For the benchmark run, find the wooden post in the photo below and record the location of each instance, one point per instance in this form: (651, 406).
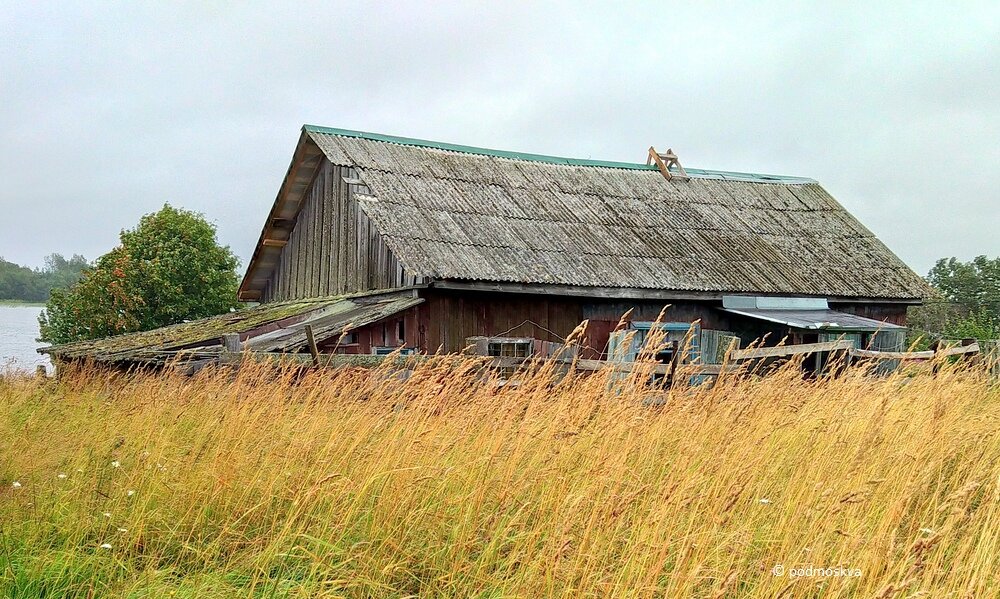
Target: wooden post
(230, 347)
(231, 342)
(727, 357)
(313, 349)
(674, 359)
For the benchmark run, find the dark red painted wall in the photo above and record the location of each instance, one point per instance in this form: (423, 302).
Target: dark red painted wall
(447, 318)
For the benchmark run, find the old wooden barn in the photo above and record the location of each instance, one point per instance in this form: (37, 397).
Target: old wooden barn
(384, 243)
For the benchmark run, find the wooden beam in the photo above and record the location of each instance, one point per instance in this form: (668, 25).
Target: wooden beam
(313, 349)
(789, 350)
(891, 355)
(654, 156)
(961, 350)
(274, 243)
(665, 161)
(706, 369)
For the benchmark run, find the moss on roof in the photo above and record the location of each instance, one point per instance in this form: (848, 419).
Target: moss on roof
(196, 333)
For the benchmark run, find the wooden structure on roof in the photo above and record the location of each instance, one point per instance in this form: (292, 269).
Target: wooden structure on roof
(500, 244)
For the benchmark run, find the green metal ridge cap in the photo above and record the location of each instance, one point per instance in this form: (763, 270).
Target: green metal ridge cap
(423, 143)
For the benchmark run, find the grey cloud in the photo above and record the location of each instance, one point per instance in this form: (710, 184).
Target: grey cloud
(111, 110)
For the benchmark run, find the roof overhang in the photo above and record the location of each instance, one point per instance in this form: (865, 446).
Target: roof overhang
(802, 313)
(829, 321)
(639, 293)
(281, 220)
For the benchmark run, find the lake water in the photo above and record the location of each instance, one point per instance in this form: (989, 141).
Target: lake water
(18, 330)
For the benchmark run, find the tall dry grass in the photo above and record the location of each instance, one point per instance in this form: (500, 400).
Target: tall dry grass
(359, 484)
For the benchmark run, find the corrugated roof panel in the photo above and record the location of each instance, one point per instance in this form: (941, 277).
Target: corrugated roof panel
(816, 320)
(456, 212)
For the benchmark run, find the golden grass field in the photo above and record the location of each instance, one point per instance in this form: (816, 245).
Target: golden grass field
(353, 483)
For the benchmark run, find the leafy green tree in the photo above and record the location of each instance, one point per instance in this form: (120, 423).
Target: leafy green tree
(168, 269)
(967, 303)
(974, 285)
(978, 325)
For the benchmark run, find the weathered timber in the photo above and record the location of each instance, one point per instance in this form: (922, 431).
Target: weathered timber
(268, 327)
(231, 342)
(313, 349)
(333, 248)
(789, 350)
(960, 350)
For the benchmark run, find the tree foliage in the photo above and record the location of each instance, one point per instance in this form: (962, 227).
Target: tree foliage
(168, 269)
(968, 300)
(34, 284)
(974, 285)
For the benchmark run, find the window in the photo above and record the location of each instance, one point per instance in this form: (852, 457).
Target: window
(385, 351)
(509, 349)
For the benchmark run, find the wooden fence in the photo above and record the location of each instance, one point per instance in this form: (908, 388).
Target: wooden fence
(735, 361)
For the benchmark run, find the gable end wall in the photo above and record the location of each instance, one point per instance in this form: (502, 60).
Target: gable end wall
(333, 248)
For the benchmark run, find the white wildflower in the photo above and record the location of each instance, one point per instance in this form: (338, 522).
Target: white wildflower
(60, 476)
(122, 530)
(765, 500)
(927, 531)
(16, 485)
(115, 464)
(106, 546)
(107, 514)
(130, 493)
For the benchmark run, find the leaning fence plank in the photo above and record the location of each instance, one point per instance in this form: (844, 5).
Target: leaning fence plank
(789, 350)
(892, 355)
(963, 349)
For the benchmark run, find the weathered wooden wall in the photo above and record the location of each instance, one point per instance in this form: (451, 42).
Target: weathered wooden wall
(333, 248)
(446, 319)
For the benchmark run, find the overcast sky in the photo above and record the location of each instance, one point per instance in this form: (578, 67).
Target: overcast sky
(108, 111)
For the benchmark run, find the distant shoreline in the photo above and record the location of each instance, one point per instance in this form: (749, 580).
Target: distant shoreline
(14, 303)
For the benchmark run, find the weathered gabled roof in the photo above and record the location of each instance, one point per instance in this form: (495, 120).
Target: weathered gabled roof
(470, 214)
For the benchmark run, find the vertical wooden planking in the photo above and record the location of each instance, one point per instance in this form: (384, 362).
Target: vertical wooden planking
(333, 247)
(279, 273)
(315, 203)
(335, 216)
(284, 272)
(305, 232)
(325, 241)
(342, 198)
(296, 262)
(303, 226)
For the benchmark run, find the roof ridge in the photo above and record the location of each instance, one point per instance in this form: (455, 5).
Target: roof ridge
(530, 157)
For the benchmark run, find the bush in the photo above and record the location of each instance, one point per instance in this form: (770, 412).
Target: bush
(168, 269)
